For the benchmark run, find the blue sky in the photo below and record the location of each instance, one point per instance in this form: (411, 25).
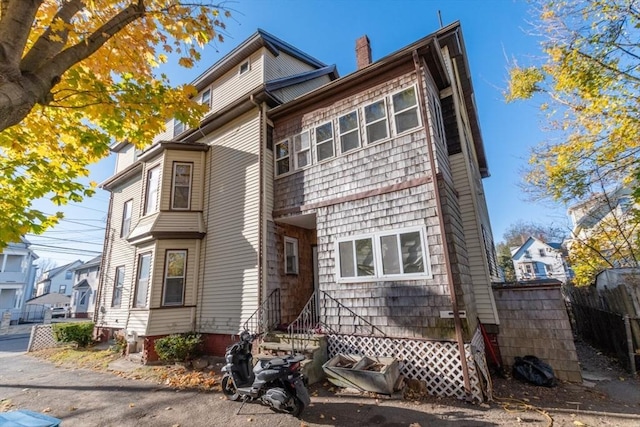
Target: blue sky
(495, 31)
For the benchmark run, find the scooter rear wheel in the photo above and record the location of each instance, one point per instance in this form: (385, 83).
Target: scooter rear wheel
(229, 388)
(295, 408)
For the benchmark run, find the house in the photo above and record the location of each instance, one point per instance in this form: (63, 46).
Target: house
(356, 202)
(58, 280)
(537, 260)
(85, 288)
(17, 276)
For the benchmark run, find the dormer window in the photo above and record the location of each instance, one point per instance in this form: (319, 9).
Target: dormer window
(244, 67)
(206, 97)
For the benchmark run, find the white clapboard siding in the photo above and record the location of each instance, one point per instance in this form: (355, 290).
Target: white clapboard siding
(166, 134)
(137, 322)
(231, 86)
(197, 178)
(475, 246)
(282, 65)
(230, 270)
(170, 321)
(184, 221)
(120, 253)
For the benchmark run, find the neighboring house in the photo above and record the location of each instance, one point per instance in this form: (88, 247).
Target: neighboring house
(85, 288)
(17, 276)
(58, 280)
(362, 194)
(51, 301)
(536, 260)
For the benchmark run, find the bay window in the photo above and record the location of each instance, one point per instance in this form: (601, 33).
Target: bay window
(174, 277)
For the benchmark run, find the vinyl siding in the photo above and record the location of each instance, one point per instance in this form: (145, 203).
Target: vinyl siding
(157, 287)
(196, 158)
(184, 221)
(124, 158)
(282, 65)
(232, 86)
(230, 270)
(119, 253)
(170, 320)
(286, 94)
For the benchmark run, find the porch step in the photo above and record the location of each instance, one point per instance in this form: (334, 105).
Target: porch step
(284, 337)
(314, 350)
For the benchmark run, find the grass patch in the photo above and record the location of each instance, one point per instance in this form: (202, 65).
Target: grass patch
(88, 358)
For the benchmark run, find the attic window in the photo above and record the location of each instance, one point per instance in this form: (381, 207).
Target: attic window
(244, 67)
(206, 97)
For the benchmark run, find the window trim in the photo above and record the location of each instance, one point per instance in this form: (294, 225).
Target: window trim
(62, 289)
(134, 302)
(165, 277)
(296, 251)
(173, 185)
(288, 157)
(295, 153)
(123, 232)
(208, 103)
(357, 130)
(176, 125)
(416, 107)
(366, 125)
(377, 256)
(120, 268)
(248, 64)
(326, 141)
(147, 211)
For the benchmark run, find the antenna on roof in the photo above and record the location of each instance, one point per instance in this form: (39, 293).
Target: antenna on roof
(440, 18)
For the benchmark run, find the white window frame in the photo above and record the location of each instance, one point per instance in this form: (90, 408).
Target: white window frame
(377, 256)
(208, 103)
(248, 64)
(317, 143)
(288, 157)
(295, 266)
(178, 127)
(118, 286)
(173, 185)
(366, 125)
(414, 107)
(127, 212)
(356, 130)
(62, 289)
(296, 152)
(149, 190)
(137, 294)
(166, 277)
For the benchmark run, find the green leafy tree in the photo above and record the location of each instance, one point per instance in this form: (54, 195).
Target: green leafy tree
(76, 75)
(589, 88)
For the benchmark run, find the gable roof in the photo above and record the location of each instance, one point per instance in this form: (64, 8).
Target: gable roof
(57, 270)
(517, 252)
(50, 298)
(93, 262)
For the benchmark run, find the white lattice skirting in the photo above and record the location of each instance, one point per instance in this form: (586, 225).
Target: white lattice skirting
(41, 337)
(435, 362)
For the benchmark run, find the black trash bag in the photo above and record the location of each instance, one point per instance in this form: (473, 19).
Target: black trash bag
(534, 371)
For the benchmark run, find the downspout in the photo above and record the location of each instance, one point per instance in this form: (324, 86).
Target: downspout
(261, 221)
(445, 246)
(201, 256)
(104, 262)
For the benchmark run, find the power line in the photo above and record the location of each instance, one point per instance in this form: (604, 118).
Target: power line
(63, 250)
(67, 240)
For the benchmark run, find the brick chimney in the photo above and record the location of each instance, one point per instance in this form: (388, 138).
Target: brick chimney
(363, 52)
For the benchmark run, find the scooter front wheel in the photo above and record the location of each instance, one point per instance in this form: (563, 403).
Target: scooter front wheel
(229, 388)
(295, 407)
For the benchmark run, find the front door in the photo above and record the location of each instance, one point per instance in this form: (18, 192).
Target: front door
(83, 300)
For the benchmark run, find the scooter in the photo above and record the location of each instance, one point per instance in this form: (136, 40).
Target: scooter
(276, 383)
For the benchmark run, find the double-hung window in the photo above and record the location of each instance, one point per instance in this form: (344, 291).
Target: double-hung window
(324, 141)
(142, 285)
(181, 189)
(126, 218)
(391, 254)
(349, 132)
(205, 99)
(178, 127)
(375, 119)
(283, 157)
(62, 289)
(153, 183)
(405, 110)
(290, 255)
(174, 277)
(302, 149)
(118, 284)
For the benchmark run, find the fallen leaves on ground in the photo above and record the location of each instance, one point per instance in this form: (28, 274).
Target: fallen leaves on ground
(182, 378)
(6, 405)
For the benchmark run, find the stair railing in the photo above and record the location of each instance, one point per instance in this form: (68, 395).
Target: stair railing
(340, 319)
(305, 326)
(267, 317)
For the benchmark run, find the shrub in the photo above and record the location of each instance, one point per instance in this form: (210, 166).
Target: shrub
(79, 333)
(179, 347)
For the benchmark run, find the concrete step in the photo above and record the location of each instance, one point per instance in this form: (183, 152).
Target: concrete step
(283, 337)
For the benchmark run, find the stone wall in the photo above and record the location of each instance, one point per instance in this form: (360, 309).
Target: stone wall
(534, 321)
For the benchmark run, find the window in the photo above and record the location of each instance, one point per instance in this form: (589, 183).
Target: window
(142, 285)
(178, 127)
(542, 252)
(290, 255)
(282, 157)
(388, 254)
(324, 141)
(244, 67)
(175, 266)
(436, 116)
(118, 284)
(126, 218)
(13, 263)
(83, 298)
(68, 275)
(153, 181)
(205, 99)
(302, 149)
(62, 289)
(349, 132)
(405, 110)
(181, 189)
(375, 118)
